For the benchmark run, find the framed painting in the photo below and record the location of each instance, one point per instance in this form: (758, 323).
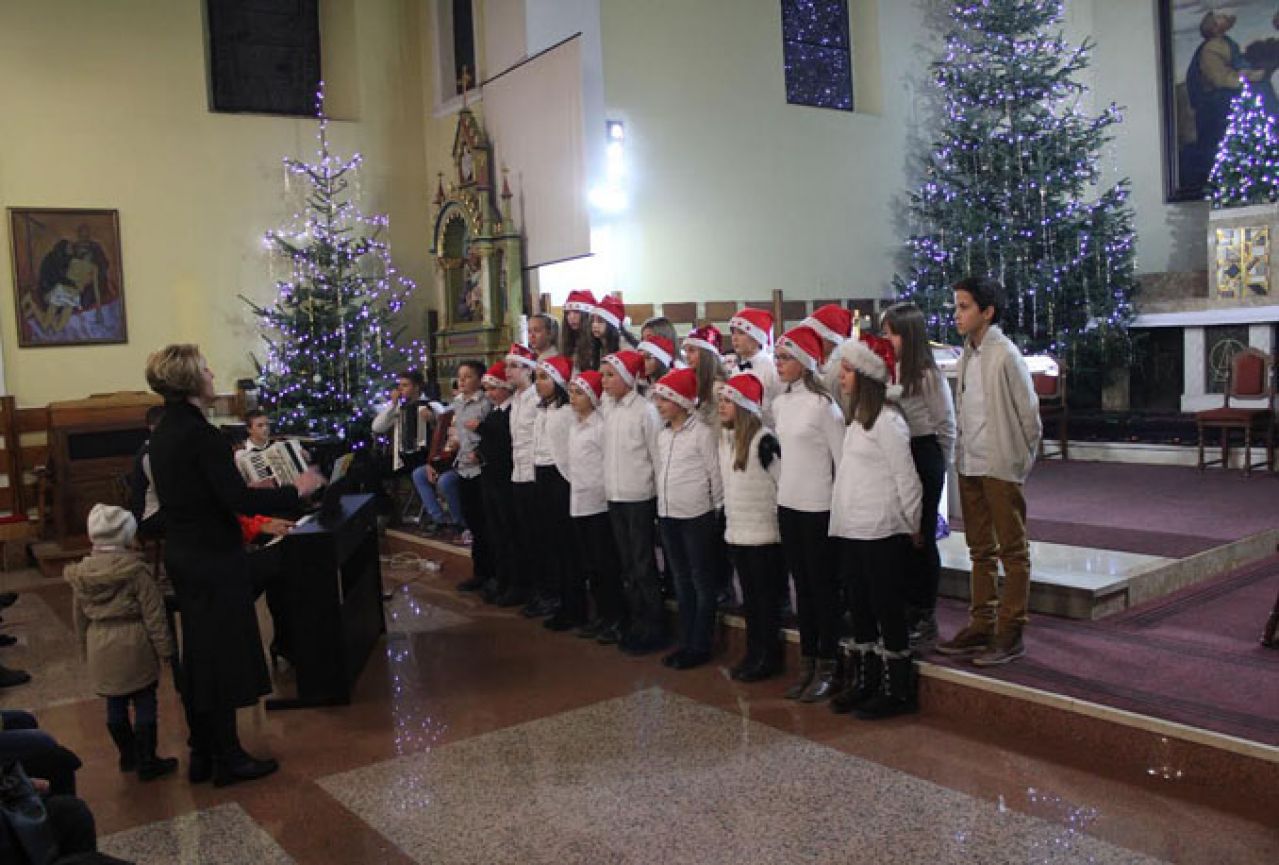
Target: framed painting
(68, 281)
(1205, 48)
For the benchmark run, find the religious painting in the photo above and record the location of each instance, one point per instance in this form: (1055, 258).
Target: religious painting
(1243, 262)
(1206, 47)
(67, 276)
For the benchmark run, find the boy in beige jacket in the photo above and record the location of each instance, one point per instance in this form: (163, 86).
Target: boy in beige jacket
(119, 616)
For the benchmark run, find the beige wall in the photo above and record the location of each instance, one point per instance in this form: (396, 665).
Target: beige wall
(104, 105)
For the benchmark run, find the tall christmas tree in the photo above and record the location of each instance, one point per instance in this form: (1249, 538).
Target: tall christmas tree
(1012, 188)
(1246, 169)
(331, 332)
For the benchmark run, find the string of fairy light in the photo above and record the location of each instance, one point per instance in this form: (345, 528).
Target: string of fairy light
(1013, 188)
(331, 331)
(1246, 168)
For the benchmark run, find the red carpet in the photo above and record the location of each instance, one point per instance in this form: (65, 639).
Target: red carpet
(1173, 511)
(1191, 657)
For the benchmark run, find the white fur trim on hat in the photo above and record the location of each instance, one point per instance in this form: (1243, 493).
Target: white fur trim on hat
(601, 312)
(703, 345)
(865, 361)
(522, 360)
(494, 381)
(549, 369)
(806, 360)
(111, 526)
(579, 306)
(822, 330)
(656, 351)
(668, 392)
(741, 400)
(585, 387)
(620, 368)
(749, 328)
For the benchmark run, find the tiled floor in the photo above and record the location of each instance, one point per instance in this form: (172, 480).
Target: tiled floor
(477, 736)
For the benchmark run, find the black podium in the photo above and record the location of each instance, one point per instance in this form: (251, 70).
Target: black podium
(332, 584)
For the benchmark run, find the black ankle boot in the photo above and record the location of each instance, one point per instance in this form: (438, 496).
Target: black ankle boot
(122, 734)
(862, 672)
(150, 766)
(897, 695)
(236, 765)
(807, 669)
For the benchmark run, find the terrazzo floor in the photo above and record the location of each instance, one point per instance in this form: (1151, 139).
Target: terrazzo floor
(477, 736)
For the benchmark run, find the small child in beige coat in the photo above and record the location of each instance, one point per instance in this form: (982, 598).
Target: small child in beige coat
(119, 617)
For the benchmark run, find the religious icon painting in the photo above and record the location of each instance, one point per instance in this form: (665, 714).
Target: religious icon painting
(68, 283)
(1229, 264)
(1256, 275)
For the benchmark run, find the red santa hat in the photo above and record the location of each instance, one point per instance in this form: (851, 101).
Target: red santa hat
(804, 344)
(755, 323)
(706, 338)
(872, 356)
(559, 368)
(495, 376)
(680, 387)
(832, 322)
(611, 309)
(580, 301)
(628, 364)
(591, 383)
(659, 347)
(746, 391)
(522, 354)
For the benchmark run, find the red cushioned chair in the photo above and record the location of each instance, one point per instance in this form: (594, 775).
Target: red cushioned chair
(1251, 377)
(1051, 390)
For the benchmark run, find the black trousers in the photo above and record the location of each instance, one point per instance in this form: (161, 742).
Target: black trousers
(266, 567)
(633, 528)
(471, 492)
(811, 559)
(875, 589)
(762, 572)
(555, 532)
(925, 568)
(499, 525)
(600, 566)
(529, 572)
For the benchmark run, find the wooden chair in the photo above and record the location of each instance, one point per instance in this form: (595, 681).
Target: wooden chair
(1250, 377)
(1051, 390)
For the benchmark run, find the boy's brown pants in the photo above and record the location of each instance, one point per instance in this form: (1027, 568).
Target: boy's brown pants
(995, 527)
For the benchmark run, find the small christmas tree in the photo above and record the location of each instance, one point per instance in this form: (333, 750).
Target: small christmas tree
(1246, 170)
(331, 333)
(1012, 189)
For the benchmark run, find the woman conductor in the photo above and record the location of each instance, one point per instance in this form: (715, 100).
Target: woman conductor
(196, 478)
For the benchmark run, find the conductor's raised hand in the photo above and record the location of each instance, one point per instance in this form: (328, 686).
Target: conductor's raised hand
(309, 481)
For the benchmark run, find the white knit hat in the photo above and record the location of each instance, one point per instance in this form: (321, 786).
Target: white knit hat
(111, 526)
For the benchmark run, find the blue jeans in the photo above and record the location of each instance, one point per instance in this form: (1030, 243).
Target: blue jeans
(143, 707)
(447, 484)
(690, 547)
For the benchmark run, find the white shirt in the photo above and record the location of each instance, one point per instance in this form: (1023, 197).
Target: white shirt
(877, 491)
(688, 481)
(930, 411)
(550, 436)
(387, 422)
(972, 460)
(810, 428)
(523, 415)
(631, 425)
(586, 466)
(764, 366)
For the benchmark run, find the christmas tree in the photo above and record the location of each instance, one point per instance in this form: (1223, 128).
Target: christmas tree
(331, 332)
(1012, 188)
(1246, 170)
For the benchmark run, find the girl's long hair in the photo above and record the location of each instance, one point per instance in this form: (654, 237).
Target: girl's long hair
(578, 345)
(744, 426)
(867, 403)
(816, 385)
(709, 370)
(915, 359)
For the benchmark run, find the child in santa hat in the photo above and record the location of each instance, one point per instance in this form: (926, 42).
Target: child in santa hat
(875, 520)
(588, 506)
(659, 357)
(521, 363)
(810, 427)
(751, 332)
(750, 465)
(608, 326)
(576, 342)
(494, 451)
(689, 492)
(631, 424)
(550, 462)
(702, 349)
(834, 324)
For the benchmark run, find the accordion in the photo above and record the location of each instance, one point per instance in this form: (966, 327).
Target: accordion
(282, 462)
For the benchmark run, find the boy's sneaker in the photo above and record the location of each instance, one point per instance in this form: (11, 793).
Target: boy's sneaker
(1004, 650)
(968, 641)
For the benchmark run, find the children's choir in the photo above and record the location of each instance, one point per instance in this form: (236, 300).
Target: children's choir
(821, 459)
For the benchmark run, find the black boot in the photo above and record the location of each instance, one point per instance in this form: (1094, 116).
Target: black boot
(150, 766)
(823, 684)
(231, 763)
(897, 695)
(862, 672)
(807, 668)
(122, 734)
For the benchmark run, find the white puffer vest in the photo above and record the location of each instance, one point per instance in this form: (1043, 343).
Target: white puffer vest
(750, 496)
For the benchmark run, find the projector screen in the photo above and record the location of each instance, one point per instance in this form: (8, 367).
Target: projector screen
(533, 113)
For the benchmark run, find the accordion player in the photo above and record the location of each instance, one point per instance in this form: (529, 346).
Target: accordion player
(407, 417)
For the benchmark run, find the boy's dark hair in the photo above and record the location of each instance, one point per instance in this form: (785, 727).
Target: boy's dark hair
(153, 416)
(986, 292)
(252, 415)
(476, 366)
(415, 376)
(552, 326)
